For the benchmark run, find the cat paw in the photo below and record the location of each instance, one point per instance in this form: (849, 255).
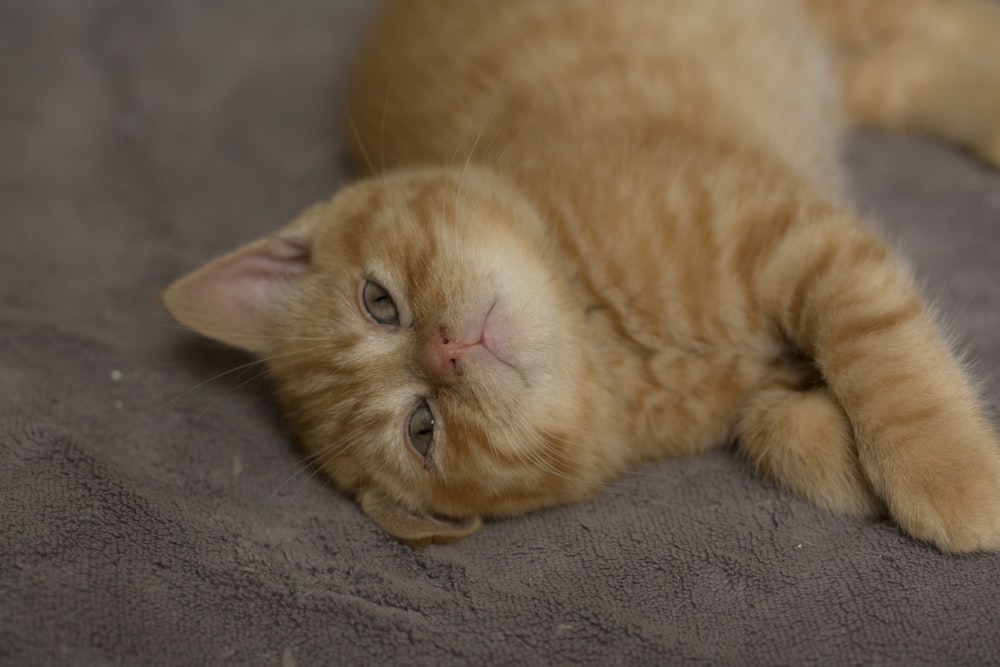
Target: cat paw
(957, 509)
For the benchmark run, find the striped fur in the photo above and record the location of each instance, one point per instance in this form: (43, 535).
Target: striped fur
(645, 199)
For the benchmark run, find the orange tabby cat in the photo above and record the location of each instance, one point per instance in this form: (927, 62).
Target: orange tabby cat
(598, 232)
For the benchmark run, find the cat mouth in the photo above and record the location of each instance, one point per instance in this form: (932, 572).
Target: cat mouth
(493, 338)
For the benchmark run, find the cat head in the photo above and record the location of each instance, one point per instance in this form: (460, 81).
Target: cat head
(423, 345)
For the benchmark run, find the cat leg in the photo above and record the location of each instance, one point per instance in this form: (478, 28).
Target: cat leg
(926, 66)
(802, 440)
(923, 441)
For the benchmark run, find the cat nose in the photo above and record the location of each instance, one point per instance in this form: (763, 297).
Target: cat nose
(442, 355)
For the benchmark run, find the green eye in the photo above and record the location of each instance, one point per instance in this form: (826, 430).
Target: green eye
(379, 304)
(420, 430)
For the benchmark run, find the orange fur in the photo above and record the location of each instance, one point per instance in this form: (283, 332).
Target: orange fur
(636, 208)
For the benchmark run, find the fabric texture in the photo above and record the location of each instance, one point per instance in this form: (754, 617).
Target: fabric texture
(153, 509)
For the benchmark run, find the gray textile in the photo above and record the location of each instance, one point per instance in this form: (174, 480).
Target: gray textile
(152, 514)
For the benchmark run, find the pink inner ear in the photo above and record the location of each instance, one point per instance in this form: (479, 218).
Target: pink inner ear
(262, 275)
(257, 280)
(235, 298)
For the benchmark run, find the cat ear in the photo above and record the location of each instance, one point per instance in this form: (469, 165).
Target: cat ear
(412, 528)
(234, 299)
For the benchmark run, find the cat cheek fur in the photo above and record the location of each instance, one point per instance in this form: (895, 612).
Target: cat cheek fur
(503, 442)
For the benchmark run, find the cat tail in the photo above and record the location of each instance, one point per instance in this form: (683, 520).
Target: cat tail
(923, 440)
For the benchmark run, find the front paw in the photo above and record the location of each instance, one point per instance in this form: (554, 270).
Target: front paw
(956, 506)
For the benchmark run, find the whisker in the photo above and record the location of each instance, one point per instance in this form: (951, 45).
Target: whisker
(311, 458)
(385, 111)
(517, 136)
(210, 380)
(479, 134)
(357, 139)
(535, 451)
(211, 404)
(241, 367)
(233, 334)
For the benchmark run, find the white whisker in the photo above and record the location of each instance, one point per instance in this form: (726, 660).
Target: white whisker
(361, 144)
(311, 460)
(211, 404)
(385, 111)
(241, 367)
(514, 139)
(211, 333)
(479, 134)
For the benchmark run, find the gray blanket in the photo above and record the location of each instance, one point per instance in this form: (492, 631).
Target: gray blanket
(154, 510)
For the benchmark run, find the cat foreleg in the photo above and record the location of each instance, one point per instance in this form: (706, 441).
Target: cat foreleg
(802, 440)
(923, 440)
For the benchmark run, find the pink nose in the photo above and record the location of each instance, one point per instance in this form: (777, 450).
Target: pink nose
(442, 355)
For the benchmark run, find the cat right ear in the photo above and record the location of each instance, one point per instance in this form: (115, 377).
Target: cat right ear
(413, 528)
(235, 299)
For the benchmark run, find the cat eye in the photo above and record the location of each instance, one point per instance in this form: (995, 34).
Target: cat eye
(379, 304)
(420, 429)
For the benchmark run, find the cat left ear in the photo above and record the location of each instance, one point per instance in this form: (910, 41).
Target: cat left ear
(235, 299)
(413, 528)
